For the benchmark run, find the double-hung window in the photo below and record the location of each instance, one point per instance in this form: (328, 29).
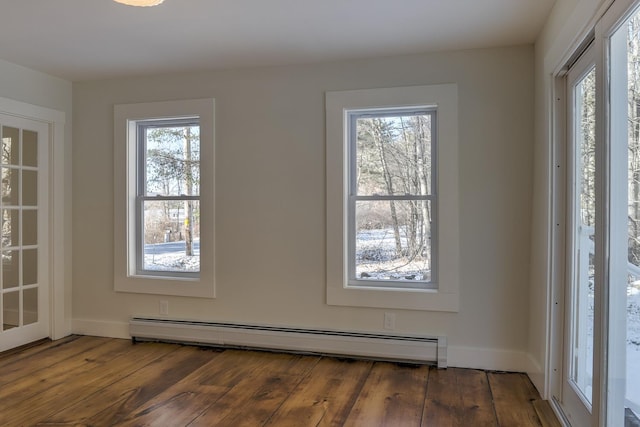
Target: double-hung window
(167, 206)
(392, 201)
(164, 198)
(392, 198)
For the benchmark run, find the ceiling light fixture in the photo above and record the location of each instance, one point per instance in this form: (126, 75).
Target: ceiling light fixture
(143, 3)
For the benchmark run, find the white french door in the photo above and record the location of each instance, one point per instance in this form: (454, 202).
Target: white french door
(600, 364)
(621, 34)
(575, 394)
(24, 230)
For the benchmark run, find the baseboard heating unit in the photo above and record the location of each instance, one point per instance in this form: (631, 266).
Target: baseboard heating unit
(392, 347)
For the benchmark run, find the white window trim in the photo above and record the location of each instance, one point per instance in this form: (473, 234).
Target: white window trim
(446, 295)
(125, 279)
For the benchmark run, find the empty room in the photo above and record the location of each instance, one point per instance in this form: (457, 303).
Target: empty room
(320, 213)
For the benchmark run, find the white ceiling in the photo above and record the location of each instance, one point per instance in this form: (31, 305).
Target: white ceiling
(94, 39)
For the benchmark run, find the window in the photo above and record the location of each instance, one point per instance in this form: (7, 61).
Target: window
(392, 198)
(168, 197)
(164, 218)
(392, 204)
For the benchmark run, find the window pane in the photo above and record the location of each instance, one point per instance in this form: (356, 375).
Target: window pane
(10, 269)
(10, 310)
(393, 155)
(172, 235)
(10, 146)
(393, 240)
(584, 232)
(30, 306)
(29, 188)
(29, 227)
(10, 185)
(10, 227)
(629, 302)
(30, 266)
(172, 161)
(29, 148)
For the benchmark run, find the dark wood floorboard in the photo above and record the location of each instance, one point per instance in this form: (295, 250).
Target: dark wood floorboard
(89, 381)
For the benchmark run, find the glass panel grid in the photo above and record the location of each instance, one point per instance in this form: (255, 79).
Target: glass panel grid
(19, 228)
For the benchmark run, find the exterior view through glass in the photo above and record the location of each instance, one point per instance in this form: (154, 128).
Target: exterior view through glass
(168, 195)
(392, 198)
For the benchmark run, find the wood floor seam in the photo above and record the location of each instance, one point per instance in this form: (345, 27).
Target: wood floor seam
(91, 381)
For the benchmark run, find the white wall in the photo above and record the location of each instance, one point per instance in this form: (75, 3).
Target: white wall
(566, 27)
(33, 87)
(271, 198)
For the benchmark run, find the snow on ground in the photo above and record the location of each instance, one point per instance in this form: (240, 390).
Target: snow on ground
(633, 347)
(171, 256)
(375, 258)
(172, 261)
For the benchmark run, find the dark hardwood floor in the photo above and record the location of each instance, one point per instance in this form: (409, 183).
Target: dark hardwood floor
(89, 381)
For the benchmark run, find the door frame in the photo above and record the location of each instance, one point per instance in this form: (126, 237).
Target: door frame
(59, 290)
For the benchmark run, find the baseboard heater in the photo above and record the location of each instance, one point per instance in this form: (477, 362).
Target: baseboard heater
(391, 347)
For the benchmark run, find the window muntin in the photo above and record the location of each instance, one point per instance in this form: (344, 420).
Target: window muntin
(391, 200)
(168, 197)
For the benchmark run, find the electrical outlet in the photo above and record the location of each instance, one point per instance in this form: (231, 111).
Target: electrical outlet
(390, 321)
(164, 308)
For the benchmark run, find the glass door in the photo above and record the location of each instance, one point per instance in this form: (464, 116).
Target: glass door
(623, 370)
(578, 342)
(24, 291)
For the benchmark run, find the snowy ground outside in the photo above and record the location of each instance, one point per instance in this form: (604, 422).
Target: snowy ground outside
(633, 348)
(171, 257)
(375, 258)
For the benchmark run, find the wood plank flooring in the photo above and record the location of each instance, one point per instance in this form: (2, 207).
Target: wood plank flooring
(89, 381)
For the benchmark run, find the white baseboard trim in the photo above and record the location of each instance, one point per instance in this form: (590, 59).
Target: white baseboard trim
(457, 356)
(537, 376)
(488, 359)
(100, 328)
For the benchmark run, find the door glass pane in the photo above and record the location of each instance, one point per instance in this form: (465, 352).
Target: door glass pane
(632, 305)
(10, 310)
(29, 148)
(30, 266)
(10, 227)
(29, 188)
(29, 227)
(10, 185)
(30, 306)
(10, 146)
(10, 269)
(581, 362)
